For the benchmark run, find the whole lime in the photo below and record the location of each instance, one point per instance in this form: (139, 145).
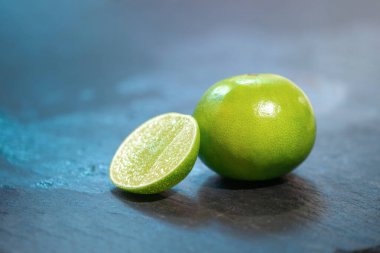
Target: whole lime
(255, 126)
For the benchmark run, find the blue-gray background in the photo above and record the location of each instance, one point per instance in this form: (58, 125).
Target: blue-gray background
(77, 76)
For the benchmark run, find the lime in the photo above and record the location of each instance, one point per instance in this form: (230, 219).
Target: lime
(157, 155)
(255, 127)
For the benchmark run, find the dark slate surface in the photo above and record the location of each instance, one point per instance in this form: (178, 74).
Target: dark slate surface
(77, 76)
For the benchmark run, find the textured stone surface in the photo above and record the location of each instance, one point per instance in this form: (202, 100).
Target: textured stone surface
(77, 76)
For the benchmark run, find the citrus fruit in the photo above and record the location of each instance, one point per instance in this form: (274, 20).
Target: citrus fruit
(157, 155)
(255, 126)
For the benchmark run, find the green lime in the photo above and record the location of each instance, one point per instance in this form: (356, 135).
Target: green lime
(157, 155)
(255, 127)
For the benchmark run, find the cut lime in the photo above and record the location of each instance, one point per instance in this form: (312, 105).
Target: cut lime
(157, 155)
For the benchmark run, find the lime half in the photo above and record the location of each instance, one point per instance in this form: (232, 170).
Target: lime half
(157, 155)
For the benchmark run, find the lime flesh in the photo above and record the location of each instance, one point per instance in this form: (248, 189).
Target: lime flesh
(157, 155)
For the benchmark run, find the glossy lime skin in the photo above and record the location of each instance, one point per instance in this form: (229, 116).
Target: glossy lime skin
(255, 127)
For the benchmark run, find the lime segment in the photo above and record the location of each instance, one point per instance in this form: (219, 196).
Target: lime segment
(157, 155)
